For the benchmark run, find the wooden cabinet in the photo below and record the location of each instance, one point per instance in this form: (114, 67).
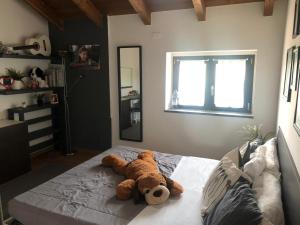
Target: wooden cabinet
(14, 150)
(47, 133)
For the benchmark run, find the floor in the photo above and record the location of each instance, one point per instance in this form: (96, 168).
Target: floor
(133, 132)
(57, 157)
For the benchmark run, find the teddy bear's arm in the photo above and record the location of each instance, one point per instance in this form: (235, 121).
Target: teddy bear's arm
(117, 163)
(125, 189)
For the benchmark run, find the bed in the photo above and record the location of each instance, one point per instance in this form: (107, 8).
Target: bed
(86, 193)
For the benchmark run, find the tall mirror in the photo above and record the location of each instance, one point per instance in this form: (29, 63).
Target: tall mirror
(130, 93)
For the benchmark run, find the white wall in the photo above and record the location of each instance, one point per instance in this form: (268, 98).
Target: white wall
(129, 59)
(234, 27)
(17, 22)
(287, 109)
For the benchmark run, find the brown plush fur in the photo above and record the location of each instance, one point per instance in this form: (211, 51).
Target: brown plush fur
(142, 172)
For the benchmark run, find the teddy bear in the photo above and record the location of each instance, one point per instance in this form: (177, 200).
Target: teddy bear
(143, 179)
(38, 75)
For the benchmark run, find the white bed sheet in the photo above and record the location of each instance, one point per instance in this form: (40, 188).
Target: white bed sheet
(192, 173)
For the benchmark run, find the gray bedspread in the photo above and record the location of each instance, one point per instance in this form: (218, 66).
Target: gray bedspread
(84, 194)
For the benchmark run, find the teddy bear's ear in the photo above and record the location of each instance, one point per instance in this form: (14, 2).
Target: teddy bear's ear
(175, 188)
(137, 195)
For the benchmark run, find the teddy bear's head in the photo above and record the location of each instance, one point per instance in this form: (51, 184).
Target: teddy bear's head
(154, 187)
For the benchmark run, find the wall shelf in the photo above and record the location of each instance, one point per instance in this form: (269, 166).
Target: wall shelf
(14, 56)
(23, 91)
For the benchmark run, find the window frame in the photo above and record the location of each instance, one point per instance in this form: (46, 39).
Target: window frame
(209, 102)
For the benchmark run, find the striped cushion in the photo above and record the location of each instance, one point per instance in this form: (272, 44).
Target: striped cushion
(222, 178)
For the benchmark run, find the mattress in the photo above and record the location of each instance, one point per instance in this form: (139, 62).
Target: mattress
(85, 195)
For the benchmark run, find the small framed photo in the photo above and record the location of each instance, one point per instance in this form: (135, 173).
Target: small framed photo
(54, 99)
(85, 57)
(296, 29)
(288, 73)
(295, 69)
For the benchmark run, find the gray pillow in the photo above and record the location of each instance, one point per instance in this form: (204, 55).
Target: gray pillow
(238, 207)
(225, 175)
(252, 146)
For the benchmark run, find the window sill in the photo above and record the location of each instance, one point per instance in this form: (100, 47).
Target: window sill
(211, 113)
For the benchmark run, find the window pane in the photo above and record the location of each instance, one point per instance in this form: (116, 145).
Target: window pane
(191, 82)
(229, 83)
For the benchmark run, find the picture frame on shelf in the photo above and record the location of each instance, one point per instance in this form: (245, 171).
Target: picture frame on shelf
(295, 69)
(288, 74)
(296, 28)
(54, 99)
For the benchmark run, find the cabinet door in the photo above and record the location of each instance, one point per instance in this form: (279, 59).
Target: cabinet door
(14, 152)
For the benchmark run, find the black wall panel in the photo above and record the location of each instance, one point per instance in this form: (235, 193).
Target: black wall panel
(89, 100)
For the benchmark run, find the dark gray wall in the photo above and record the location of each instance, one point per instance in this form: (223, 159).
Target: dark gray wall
(89, 100)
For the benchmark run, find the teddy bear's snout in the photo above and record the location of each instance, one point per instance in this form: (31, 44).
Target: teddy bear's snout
(157, 195)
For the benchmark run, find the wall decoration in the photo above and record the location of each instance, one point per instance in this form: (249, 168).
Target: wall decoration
(288, 73)
(17, 76)
(297, 115)
(6, 82)
(296, 30)
(38, 76)
(295, 71)
(54, 99)
(85, 56)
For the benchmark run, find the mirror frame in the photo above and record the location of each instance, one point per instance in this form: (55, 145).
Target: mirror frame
(141, 91)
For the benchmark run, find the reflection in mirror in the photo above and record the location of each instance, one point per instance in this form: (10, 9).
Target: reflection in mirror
(130, 93)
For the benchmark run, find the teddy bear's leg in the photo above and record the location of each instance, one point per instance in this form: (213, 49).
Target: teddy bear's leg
(148, 156)
(117, 163)
(125, 189)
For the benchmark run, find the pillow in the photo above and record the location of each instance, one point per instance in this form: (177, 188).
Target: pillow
(255, 166)
(252, 145)
(222, 178)
(271, 157)
(268, 194)
(238, 207)
(243, 148)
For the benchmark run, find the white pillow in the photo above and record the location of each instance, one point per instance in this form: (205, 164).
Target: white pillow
(268, 193)
(271, 157)
(255, 166)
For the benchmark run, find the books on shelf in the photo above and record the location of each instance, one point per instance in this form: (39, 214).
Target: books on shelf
(56, 75)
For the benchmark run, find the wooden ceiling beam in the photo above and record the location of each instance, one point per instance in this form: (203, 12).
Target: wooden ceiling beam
(268, 7)
(200, 9)
(42, 8)
(90, 10)
(142, 10)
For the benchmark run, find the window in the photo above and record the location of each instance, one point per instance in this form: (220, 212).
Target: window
(214, 83)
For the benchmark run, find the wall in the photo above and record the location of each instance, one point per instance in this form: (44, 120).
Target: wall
(129, 59)
(234, 27)
(287, 109)
(89, 98)
(18, 22)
